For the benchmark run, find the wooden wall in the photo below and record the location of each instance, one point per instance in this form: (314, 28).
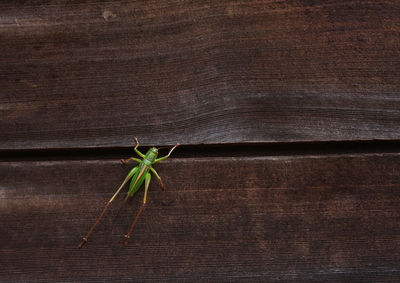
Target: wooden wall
(288, 115)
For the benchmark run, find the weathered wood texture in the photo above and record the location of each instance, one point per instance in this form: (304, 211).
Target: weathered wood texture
(302, 219)
(78, 74)
(94, 73)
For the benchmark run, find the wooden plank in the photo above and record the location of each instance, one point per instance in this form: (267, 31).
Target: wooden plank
(267, 219)
(92, 74)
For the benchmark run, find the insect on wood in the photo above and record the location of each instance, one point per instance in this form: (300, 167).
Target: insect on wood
(137, 175)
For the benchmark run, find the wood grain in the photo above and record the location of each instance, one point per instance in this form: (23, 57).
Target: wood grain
(306, 218)
(88, 73)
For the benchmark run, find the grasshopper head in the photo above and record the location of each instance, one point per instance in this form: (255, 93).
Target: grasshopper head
(152, 154)
(154, 150)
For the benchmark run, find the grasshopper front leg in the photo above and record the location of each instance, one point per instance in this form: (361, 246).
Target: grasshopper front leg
(136, 150)
(169, 153)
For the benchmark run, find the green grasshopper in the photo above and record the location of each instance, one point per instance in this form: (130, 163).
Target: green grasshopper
(138, 175)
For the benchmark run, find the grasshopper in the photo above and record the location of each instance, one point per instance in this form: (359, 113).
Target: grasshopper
(137, 175)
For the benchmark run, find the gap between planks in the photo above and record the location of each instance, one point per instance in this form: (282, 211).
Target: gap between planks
(252, 150)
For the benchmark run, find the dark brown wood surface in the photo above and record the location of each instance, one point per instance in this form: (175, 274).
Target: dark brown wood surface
(88, 73)
(288, 113)
(290, 218)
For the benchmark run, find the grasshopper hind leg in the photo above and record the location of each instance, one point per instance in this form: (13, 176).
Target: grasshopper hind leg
(147, 182)
(85, 239)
